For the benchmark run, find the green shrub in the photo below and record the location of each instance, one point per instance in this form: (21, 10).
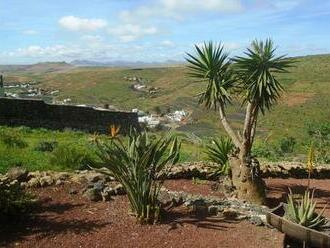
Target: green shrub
(138, 164)
(46, 146)
(25, 130)
(14, 201)
(266, 151)
(287, 144)
(218, 152)
(13, 139)
(73, 156)
(319, 135)
(319, 129)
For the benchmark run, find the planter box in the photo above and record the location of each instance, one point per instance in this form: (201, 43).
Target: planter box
(309, 236)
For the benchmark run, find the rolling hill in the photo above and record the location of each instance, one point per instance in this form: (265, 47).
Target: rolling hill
(306, 100)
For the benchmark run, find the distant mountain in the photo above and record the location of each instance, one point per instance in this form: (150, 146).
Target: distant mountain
(44, 67)
(123, 63)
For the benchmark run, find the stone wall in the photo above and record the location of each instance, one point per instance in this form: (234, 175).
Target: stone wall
(202, 170)
(36, 113)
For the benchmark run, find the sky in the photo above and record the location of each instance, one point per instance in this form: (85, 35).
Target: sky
(34, 31)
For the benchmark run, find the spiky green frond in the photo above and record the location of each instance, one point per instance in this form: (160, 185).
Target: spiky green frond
(211, 64)
(257, 72)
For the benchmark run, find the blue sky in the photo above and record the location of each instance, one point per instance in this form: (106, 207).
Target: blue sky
(155, 30)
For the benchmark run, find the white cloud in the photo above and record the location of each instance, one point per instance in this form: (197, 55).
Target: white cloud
(178, 9)
(167, 43)
(29, 32)
(131, 32)
(38, 51)
(73, 23)
(232, 46)
(92, 39)
(228, 46)
(200, 5)
(285, 4)
(102, 52)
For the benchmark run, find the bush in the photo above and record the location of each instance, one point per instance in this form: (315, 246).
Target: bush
(12, 139)
(73, 156)
(46, 146)
(287, 144)
(218, 152)
(319, 129)
(138, 165)
(14, 201)
(320, 136)
(266, 151)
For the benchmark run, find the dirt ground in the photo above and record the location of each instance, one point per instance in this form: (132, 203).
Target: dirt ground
(65, 220)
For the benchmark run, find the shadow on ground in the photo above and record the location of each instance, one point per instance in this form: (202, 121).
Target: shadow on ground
(42, 223)
(176, 219)
(277, 193)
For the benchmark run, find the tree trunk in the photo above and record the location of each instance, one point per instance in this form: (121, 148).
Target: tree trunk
(246, 178)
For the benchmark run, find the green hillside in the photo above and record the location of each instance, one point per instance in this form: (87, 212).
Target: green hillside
(305, 104)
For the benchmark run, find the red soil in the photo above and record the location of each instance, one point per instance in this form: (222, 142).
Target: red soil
(64, 220)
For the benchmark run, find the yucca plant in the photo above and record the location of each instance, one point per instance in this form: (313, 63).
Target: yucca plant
(253, 78)
(303, 212)
(138, 164)
(218, 152)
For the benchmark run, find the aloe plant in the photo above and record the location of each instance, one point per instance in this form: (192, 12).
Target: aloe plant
(303, 211)
(138, 164)
(218, 152)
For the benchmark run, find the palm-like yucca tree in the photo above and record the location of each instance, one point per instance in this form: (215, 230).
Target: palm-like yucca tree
(253, 78)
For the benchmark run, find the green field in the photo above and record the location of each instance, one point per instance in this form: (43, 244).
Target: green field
(303, 111)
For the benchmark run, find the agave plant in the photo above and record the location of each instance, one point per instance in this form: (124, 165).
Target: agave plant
(138, 164)
(303, 212)
(218, 152)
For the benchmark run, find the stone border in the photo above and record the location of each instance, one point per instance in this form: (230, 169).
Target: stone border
(202, 170)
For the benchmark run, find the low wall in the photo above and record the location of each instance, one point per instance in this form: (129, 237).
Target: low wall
(36, 113)
(202, 170)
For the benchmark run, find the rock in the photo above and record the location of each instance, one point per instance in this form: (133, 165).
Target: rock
(3, 178)
(78, 178)
(93, 177)
(93, 194)
(213, 210)
(59, 182)
(100, 185)
(230, 213)
(198, 206)
(63, 176)
(73, 191)
(17, 173)
(107, 193)
(257, 220)
(24, 184)
(33, 183)
(33, 175)
(119, 189)
(14, 183)
(46, 181)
